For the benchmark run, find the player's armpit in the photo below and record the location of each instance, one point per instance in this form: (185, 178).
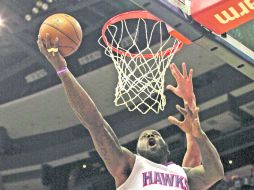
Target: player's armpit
(117, 159)
(196, 178)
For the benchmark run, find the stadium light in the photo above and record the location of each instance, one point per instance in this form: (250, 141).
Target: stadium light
(28, 17)
(45, 6)
(39, 3)
(35, 10)
(1, 21)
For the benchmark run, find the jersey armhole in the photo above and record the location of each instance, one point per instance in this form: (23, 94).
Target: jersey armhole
(131, 173)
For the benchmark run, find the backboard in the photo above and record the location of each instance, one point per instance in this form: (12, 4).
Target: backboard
(183, 5)
(235, 47)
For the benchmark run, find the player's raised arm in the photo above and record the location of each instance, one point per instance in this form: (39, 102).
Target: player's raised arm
(211, 170)
(185, 91)
(117, 159)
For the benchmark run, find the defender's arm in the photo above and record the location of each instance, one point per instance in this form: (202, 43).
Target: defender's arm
(211, 170)
(184, 90)
(204, 176)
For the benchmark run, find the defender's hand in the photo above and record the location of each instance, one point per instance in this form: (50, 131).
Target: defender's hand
(184, 87)
(191, 123)
(51, 52)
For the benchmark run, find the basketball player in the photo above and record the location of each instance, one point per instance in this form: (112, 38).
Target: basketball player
(148, 169)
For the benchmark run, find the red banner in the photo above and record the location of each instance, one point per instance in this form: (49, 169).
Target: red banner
(221, 16)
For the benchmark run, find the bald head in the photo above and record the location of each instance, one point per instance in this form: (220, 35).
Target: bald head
(152, 146)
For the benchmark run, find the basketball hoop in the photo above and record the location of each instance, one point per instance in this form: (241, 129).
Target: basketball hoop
(131, 40)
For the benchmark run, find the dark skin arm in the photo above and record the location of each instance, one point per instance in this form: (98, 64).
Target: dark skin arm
(184, 90)
(117, 159)
(203, 176)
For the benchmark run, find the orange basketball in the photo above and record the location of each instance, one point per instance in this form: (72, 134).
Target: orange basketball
(66, 28)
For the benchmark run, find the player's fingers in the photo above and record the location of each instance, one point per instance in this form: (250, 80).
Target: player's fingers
(39, 41)
(187, 108)
(40, 44)
(196, 111)
(185, 104)
(190, 74)
(172, 69)
(178, 73)
(56, 46)
(56, 43)
(184, 71)
(181, 110)
(47, 41)
(174, 121)
(171, 88)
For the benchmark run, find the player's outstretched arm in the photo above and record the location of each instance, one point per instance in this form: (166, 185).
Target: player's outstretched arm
(211, 170)
(185, 91)
(117, 159)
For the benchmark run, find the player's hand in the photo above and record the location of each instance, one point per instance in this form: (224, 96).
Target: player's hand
(51, 52)
(191, 123)
(184, 88)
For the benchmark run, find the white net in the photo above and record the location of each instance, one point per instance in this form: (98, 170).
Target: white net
(141, 51)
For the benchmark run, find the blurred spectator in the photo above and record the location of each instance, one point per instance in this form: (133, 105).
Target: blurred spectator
(222, 185)
(246, 181)
(55, 178)
(74, 178)
(46, 174)
(1, 182)
(5, 141)
(236, 183)
(247, 187)
(252, 176)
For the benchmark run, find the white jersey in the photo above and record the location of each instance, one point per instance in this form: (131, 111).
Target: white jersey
(147, 175)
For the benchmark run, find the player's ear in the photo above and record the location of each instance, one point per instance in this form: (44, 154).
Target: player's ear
(168, 151)
(137, 150)
(168, 157)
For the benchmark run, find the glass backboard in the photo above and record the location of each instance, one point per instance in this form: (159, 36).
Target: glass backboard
(235, 48)
(244, 34)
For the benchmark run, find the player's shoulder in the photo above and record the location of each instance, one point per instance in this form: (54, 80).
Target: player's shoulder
(186, 169)
(169, 164)
(176, 168)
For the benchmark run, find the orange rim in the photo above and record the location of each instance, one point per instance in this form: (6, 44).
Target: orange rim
(144, 15)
